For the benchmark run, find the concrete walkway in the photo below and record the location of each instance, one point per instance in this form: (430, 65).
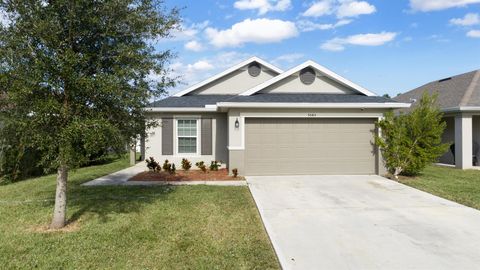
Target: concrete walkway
(364, 222)
(120, 178)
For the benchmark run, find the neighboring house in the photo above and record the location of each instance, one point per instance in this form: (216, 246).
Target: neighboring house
(459, 99)
(264, 121)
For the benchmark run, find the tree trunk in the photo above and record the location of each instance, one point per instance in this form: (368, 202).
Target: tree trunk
(398, 171)
(60, 210)
(133, 153)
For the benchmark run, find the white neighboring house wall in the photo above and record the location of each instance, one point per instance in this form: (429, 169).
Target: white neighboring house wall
(463, 141)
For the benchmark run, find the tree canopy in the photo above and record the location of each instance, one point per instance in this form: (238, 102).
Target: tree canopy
(409, 142)
(75, 75)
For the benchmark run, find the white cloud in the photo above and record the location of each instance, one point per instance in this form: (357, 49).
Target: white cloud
(307, 26)
(320, 8)
(255, 31)
(469, 19)
(432, 5)
(263, 6)
(473, 34)
(338, 44)
(194, 46)
(201, 65)
(5, 21)
(355, 8)
(341, 8)
(287, 58)
(188, 32)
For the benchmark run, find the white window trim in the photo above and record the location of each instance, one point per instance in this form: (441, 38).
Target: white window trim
(175, 133)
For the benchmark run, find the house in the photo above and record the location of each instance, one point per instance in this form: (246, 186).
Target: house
(459, 100)
(264, 121)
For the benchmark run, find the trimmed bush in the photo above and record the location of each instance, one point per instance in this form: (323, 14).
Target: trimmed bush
(214, 165)
(186, 165)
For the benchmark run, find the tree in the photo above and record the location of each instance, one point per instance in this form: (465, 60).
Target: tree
(409, 142)
(76, 76)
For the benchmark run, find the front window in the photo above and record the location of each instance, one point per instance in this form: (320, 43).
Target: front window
(187, 136)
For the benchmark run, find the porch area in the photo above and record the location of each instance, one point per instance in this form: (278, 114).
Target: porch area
(463, 133)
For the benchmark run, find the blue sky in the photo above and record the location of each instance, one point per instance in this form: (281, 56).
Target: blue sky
(386, 46)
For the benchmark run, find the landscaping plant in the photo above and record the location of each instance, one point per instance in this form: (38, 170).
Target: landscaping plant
(214, 165)
(186, 165)
(173, 170)
(167, 166)
(201, 166)
(75, 77)
(409, 142)
(153, 165)
(235, 172)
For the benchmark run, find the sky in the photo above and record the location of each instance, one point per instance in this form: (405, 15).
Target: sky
(386, 46)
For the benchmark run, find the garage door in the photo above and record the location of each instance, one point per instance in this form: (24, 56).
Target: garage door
(290, 146)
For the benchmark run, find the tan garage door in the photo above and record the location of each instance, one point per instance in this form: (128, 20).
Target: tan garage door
(290, 146)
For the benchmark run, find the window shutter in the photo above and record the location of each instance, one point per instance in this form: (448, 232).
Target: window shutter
(206, 136)
(167, 136)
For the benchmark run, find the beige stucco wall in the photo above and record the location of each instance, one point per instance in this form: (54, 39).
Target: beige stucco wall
(234, 83)
(321, 84)
(153, 143)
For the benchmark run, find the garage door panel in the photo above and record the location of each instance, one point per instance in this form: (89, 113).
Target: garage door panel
(309, 146)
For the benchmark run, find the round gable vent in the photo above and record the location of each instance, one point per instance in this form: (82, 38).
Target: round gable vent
(254, 69)
(307, 75)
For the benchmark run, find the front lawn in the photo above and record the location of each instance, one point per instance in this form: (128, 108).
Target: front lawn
(452, 184)
(188, 227)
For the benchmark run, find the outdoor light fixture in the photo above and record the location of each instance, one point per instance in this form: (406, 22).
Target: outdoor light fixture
(237, 124)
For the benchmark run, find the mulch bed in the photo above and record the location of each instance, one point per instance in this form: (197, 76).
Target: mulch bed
(192, 175)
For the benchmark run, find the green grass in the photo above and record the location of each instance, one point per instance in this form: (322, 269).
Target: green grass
(452, 184)
(188, 227)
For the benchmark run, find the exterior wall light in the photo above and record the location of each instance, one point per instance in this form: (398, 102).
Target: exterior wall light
(237, 124)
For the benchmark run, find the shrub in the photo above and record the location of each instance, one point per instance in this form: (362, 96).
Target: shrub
(186, 165)
(167, 166)
(409, 142)
(214, 165)
(173, 170)
(153, 165)
(235, 172)
(201, 166)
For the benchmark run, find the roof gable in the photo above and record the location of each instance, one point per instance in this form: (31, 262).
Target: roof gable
(235, 76)
(329, 81)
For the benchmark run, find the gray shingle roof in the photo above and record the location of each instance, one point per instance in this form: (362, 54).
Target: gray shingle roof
(202, 100)
(310, 98)
(460, 90)
(192, 101)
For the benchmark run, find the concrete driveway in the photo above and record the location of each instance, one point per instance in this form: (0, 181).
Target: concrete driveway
(364, 222)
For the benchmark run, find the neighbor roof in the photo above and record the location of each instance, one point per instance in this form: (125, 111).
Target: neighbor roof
(453, 93)
(325, 71)
(228, 71)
